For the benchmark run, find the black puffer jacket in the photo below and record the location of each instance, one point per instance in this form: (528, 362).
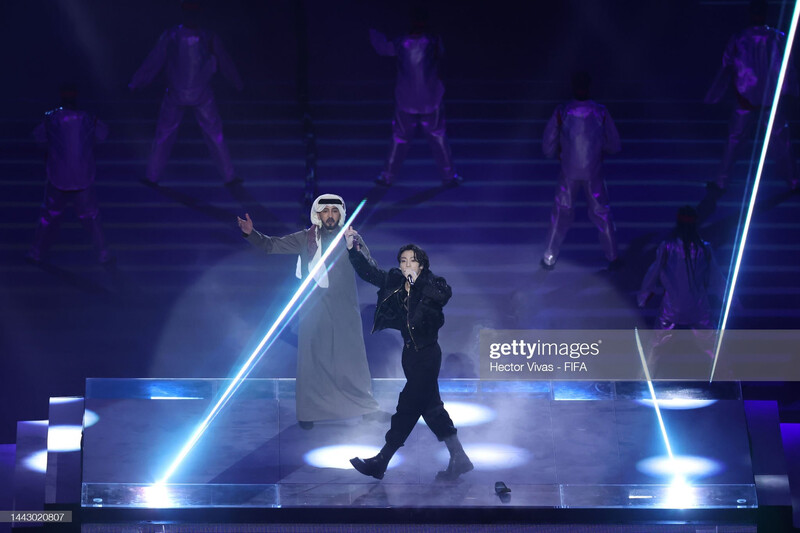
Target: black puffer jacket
(429, 294)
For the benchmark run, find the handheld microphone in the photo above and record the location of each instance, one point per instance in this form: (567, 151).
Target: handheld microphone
(410, 279)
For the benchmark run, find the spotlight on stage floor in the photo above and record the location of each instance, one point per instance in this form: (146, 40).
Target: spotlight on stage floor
(492, 456)
(157, 497)
(468, 414)
(683, 466)
(90, 418)
(681, 495)
(339, 456)
(678, 404)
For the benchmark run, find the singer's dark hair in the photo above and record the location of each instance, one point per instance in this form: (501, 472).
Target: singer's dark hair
(419, 255)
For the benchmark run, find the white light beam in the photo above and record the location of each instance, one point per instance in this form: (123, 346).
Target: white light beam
(740, 252)
(247, 367)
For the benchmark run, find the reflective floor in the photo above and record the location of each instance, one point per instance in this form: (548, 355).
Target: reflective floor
(561, 445)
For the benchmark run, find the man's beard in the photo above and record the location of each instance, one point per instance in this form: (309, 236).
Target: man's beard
(328, 231)
(329, 227)
(327, 234)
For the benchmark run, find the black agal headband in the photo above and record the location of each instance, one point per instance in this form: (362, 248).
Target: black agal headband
(334, 201)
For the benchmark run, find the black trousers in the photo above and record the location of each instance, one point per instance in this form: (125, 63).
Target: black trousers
(420, 397)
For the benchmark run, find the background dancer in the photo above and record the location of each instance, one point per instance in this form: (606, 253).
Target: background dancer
(418, 97)
(191, 55)
(580, 133)
(686, 269)
(70, 135)
(752, 60)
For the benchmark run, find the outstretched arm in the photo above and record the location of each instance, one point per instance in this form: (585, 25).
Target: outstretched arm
(366, 267)
(651, 278)
(152, 65)
(724, 75)
(719, 86)
(367, 270)
(288, 244)
(353, 239)
(381, 44)
(551, 133)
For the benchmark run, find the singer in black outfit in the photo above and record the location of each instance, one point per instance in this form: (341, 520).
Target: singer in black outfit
(411, 299)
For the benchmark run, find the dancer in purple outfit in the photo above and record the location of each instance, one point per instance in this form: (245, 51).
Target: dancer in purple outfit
(579, 134)
(418, 97)
(191, 56)
(70, 135)
(752, 61)
(686, 269)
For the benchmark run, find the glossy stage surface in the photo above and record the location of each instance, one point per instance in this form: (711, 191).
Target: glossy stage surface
(559, 445)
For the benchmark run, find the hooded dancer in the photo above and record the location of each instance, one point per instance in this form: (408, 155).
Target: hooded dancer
(333, 379)
(191, 56)
(411, 299)
(418, 97)
(685, 267)
(752, 60)
(580, 133)
(70, 135)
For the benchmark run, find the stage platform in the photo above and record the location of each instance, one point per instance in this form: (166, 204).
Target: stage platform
(559, 445)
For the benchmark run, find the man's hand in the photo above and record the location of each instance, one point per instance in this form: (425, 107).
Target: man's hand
(643, 297)
(410, 275)
(350, 235)
(245, 225)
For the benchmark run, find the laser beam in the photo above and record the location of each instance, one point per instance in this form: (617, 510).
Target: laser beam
(653, 395)
(754, 193)
(257, 353)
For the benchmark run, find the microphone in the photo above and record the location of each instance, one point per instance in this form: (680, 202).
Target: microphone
(410, 279)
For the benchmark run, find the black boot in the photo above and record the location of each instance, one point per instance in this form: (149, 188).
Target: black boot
(375, 466)
(459, 462)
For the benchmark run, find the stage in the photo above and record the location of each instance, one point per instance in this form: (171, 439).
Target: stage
(594, 449)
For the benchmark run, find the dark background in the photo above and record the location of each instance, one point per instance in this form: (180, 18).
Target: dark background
(100, 44)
